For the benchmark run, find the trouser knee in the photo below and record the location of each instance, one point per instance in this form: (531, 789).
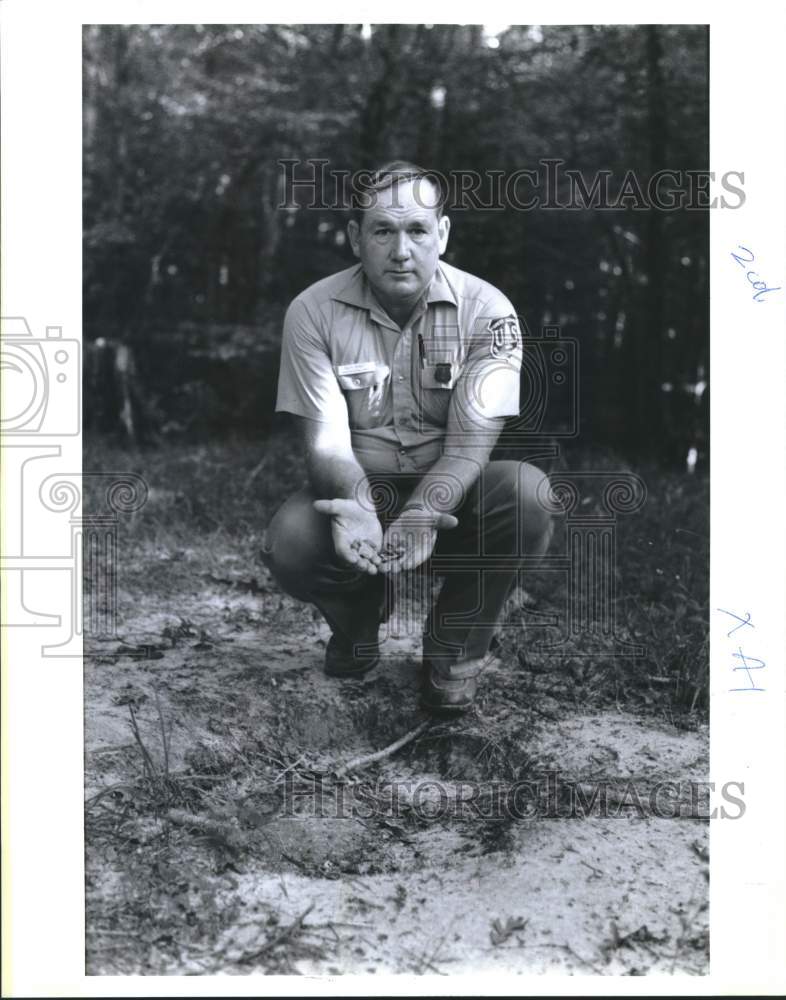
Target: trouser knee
(297, 540)
(518, 492)
(533, 498)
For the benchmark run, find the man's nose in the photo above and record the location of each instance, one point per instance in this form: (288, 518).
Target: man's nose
(401, 247)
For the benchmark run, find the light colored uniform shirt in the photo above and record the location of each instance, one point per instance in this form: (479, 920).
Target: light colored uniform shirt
(344, 359)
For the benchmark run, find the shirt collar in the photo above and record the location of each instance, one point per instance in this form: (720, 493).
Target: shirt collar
(357, 292)
(439, 290)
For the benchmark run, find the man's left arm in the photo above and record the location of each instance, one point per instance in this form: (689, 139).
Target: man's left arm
(485, 394)
(469, 443)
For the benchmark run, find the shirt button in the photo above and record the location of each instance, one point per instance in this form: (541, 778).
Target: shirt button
(402, 451)
(401, 378)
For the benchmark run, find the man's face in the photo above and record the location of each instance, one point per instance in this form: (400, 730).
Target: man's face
(400, 240)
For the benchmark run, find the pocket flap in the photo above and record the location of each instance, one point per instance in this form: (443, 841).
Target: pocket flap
(363, 379)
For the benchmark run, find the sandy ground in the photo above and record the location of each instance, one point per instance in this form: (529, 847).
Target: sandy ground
(213, 856)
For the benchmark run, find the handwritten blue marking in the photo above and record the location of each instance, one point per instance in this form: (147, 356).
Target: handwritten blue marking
(749, 663)
(748, 668)
(743, 621)
(760, 286)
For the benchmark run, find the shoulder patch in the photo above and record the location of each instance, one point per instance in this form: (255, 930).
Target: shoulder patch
(505, 338)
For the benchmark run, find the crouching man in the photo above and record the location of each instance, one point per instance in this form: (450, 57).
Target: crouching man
(400, 372)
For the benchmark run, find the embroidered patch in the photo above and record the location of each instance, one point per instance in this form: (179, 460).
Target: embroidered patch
(504, 336)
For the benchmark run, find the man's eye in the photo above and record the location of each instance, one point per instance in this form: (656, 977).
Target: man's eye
(382, 231)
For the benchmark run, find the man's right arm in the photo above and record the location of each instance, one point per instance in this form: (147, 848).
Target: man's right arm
(309, 390)
(340, 483)
(333, 470)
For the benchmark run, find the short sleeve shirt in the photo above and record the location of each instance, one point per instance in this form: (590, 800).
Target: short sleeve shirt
(344, 359)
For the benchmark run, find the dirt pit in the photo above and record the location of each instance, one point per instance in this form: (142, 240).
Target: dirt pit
(224, 837)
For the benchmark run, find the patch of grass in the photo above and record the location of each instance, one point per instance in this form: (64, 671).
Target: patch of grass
(208, 506)
(661, 604)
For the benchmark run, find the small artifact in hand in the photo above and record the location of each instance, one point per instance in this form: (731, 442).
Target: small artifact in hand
(390, 551)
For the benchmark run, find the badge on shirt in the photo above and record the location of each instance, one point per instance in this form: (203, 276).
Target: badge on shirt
(438, 370)
(504, 337)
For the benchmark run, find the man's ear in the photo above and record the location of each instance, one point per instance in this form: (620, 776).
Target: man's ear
(353, 231)
(443, 230)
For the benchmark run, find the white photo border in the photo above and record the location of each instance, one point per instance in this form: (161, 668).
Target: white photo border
(42, 836)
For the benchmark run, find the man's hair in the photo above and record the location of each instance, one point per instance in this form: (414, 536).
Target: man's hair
(369, 184)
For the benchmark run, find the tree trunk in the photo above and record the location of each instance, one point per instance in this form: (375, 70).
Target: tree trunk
(649, 372)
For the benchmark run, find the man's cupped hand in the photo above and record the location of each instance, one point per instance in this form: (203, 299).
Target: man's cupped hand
(410, 539)
(357, 533)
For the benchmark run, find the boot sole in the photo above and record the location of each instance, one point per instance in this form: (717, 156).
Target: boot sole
(433, 703)
(445, 709)
(351, 671)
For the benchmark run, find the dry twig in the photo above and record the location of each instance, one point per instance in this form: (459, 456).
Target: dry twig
(284, 935)
(218, 829)
(365, 759)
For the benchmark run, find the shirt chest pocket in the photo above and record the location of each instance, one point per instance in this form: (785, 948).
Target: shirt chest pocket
(439, 372)
(366, 388)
